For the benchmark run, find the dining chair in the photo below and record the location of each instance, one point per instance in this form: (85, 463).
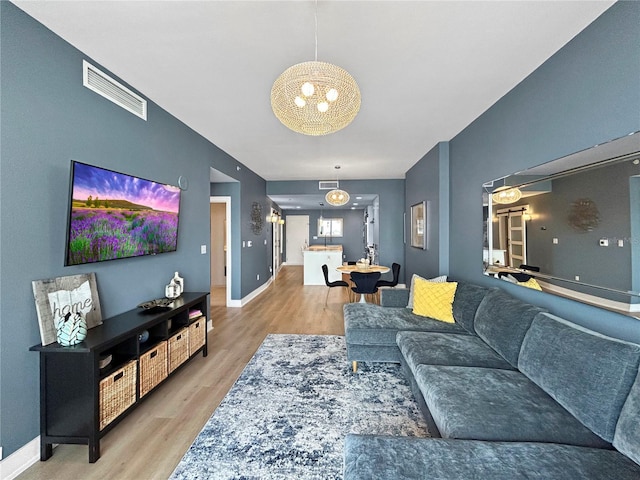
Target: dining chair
(365, 284)
(395, 268)
(337, 283)
(521, 277)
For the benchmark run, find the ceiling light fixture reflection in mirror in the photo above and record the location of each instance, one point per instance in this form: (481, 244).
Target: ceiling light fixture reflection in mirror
(572, 228)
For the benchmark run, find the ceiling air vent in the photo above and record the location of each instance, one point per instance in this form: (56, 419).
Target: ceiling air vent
(101, 83)
(327, 184)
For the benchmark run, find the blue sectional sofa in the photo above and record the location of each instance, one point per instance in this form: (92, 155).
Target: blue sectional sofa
(509, 391)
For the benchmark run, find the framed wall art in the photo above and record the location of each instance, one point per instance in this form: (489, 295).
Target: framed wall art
(419, 233)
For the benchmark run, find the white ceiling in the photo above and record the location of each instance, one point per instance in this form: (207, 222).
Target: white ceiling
(426, 69)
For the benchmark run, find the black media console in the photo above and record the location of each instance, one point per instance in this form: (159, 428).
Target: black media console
(80, 402)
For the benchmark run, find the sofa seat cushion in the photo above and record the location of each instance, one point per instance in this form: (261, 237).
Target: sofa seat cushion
(370, 324)
(405, 458)
(589, 374)
(433, 348)
(500, 405)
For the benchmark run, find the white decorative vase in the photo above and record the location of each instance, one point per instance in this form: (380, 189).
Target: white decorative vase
(179, 281)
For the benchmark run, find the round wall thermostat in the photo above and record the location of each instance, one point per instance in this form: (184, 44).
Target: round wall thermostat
(183, 182)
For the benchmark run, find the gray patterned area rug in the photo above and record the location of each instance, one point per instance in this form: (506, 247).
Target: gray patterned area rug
(287, 415)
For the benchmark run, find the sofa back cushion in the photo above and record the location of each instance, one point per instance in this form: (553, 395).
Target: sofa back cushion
(627, 437)
(589, 374)
(466, 302)
(502, 322)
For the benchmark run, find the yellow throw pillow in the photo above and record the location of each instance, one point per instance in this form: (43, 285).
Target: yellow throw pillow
(434, 300)
(531, 283)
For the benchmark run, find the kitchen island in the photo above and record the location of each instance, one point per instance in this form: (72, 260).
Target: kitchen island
(317, 255)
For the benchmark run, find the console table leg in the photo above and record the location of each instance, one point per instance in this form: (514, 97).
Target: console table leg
(46, 450)
(94, 450)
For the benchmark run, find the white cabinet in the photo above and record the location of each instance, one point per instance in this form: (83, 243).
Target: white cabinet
(313, 261)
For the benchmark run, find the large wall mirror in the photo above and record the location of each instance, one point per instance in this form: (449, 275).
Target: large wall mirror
(570, 227)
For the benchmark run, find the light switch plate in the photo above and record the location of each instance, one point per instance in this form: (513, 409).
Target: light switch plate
(203, 249)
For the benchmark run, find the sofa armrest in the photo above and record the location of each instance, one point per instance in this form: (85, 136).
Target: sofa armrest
(394, 297)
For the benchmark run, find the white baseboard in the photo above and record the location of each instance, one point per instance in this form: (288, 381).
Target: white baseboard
(241, 303)
(256, 292)
(20, 460)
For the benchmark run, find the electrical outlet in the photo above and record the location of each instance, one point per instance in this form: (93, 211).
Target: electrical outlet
(249, 243)
(621, 243)
(203, 249)
(555, 241)
(258, 277)
(265, 241)
(243, 243)
(577, 277)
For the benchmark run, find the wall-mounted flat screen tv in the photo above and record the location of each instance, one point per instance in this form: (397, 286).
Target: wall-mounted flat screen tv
(114, 215)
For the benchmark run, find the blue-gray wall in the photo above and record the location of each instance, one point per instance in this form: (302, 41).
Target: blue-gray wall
(587, 93)
(428, 180)
(634, 240)
(49, 119)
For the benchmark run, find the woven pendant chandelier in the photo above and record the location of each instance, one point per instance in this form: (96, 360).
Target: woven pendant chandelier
(337, 197)
(507, 196)
(315, 98)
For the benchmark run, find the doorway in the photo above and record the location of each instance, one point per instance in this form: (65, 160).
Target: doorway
(297, 228)
(277, 245)
(220, 250)
(512, 235)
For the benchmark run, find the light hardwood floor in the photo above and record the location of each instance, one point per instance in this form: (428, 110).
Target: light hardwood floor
(150, 442)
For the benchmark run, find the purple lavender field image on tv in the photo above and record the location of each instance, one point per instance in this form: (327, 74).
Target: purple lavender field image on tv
(114, 215)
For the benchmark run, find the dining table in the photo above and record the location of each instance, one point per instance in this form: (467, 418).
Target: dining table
(346, 270)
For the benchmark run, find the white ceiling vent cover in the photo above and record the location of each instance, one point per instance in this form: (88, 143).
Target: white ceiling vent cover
(327, 184)
(101, 83)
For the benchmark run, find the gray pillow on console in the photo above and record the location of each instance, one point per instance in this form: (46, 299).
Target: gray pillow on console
(588, 373)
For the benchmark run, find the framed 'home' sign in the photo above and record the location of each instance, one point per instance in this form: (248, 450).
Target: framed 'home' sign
(56, 297)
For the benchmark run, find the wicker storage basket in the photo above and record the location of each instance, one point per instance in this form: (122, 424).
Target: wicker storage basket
(153, 368)
(117, 393)
(178, 349)
(197, 332)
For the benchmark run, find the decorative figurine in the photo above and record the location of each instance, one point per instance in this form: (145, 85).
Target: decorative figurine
(72, 329)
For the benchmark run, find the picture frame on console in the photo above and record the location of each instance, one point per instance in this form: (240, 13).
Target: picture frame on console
(419, 229)
(55, 297)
